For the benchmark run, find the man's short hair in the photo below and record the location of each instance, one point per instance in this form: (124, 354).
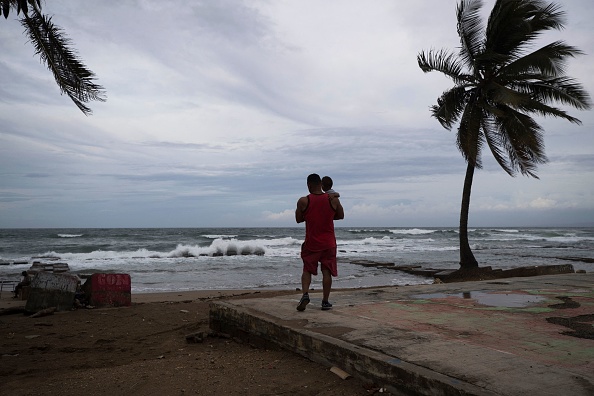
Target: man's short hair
(314, 178)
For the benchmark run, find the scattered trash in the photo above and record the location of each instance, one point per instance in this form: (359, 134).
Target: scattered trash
(196, 338)
(44, 312)
(341, 373)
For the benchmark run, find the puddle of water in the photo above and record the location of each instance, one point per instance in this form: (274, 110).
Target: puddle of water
(509, 300)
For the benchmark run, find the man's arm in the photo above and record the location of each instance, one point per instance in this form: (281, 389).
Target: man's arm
(338, 209)
(301, 207)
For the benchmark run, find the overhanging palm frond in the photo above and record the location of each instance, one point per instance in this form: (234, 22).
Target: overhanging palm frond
(20, 5)
(71, 75)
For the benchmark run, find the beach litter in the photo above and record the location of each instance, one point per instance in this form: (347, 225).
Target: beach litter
(341, 373)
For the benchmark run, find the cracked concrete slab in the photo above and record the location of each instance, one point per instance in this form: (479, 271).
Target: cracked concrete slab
(467, 338)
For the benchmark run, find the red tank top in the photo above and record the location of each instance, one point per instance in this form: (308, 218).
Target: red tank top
(319, 223)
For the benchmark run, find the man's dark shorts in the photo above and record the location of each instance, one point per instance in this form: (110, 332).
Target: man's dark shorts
(325, 257)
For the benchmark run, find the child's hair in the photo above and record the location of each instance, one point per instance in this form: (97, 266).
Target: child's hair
(326, 183)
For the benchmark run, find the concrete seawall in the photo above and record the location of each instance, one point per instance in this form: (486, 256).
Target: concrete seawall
(501, 337)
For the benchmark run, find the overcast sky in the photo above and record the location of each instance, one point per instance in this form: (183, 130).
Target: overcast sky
(218, 110)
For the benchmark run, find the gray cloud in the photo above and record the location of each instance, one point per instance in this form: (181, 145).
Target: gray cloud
(218, 110)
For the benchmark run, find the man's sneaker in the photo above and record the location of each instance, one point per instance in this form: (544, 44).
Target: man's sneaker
(303, 302)
(326, 306)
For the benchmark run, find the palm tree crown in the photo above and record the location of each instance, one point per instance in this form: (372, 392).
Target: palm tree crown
(499, 84)
(71, 75)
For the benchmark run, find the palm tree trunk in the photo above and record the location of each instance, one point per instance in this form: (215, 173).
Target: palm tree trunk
(467, 259)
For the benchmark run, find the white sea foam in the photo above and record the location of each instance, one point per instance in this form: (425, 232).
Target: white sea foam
(219, 247)
(70, 235)
(413, 231)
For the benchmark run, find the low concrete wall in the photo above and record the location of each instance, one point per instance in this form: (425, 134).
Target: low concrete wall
(487, 273)
(398, 376)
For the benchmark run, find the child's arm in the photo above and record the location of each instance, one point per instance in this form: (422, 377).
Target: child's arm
(332, 196)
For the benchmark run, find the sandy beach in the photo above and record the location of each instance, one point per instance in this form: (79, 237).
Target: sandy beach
(143, 350)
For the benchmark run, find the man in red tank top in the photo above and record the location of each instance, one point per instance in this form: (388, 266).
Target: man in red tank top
(318, 210)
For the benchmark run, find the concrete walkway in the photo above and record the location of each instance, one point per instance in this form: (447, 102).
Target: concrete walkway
(513, 336)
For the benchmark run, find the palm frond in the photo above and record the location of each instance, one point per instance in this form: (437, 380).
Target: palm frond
(495, 142)
(537, 107)
(497, 94)
(514, 24)
(449, 106)
(470, 31)
(522, 138)
(564, 90)
(489, 61)
(469, 137)
(71, 75)
(549, 60)
(444, 62)
(19, 5)
(545, 16)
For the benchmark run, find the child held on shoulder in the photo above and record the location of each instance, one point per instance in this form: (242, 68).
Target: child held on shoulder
(327, 187)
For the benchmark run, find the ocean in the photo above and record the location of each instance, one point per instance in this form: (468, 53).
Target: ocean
(182, 259)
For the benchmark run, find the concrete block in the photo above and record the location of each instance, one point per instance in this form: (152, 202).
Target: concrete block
(109, 290)
(24, 293)
(51, 290)
(555, 269)
(538, 270)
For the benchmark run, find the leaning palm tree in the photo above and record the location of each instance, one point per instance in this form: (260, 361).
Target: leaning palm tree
(498, 84)
(71, 75)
